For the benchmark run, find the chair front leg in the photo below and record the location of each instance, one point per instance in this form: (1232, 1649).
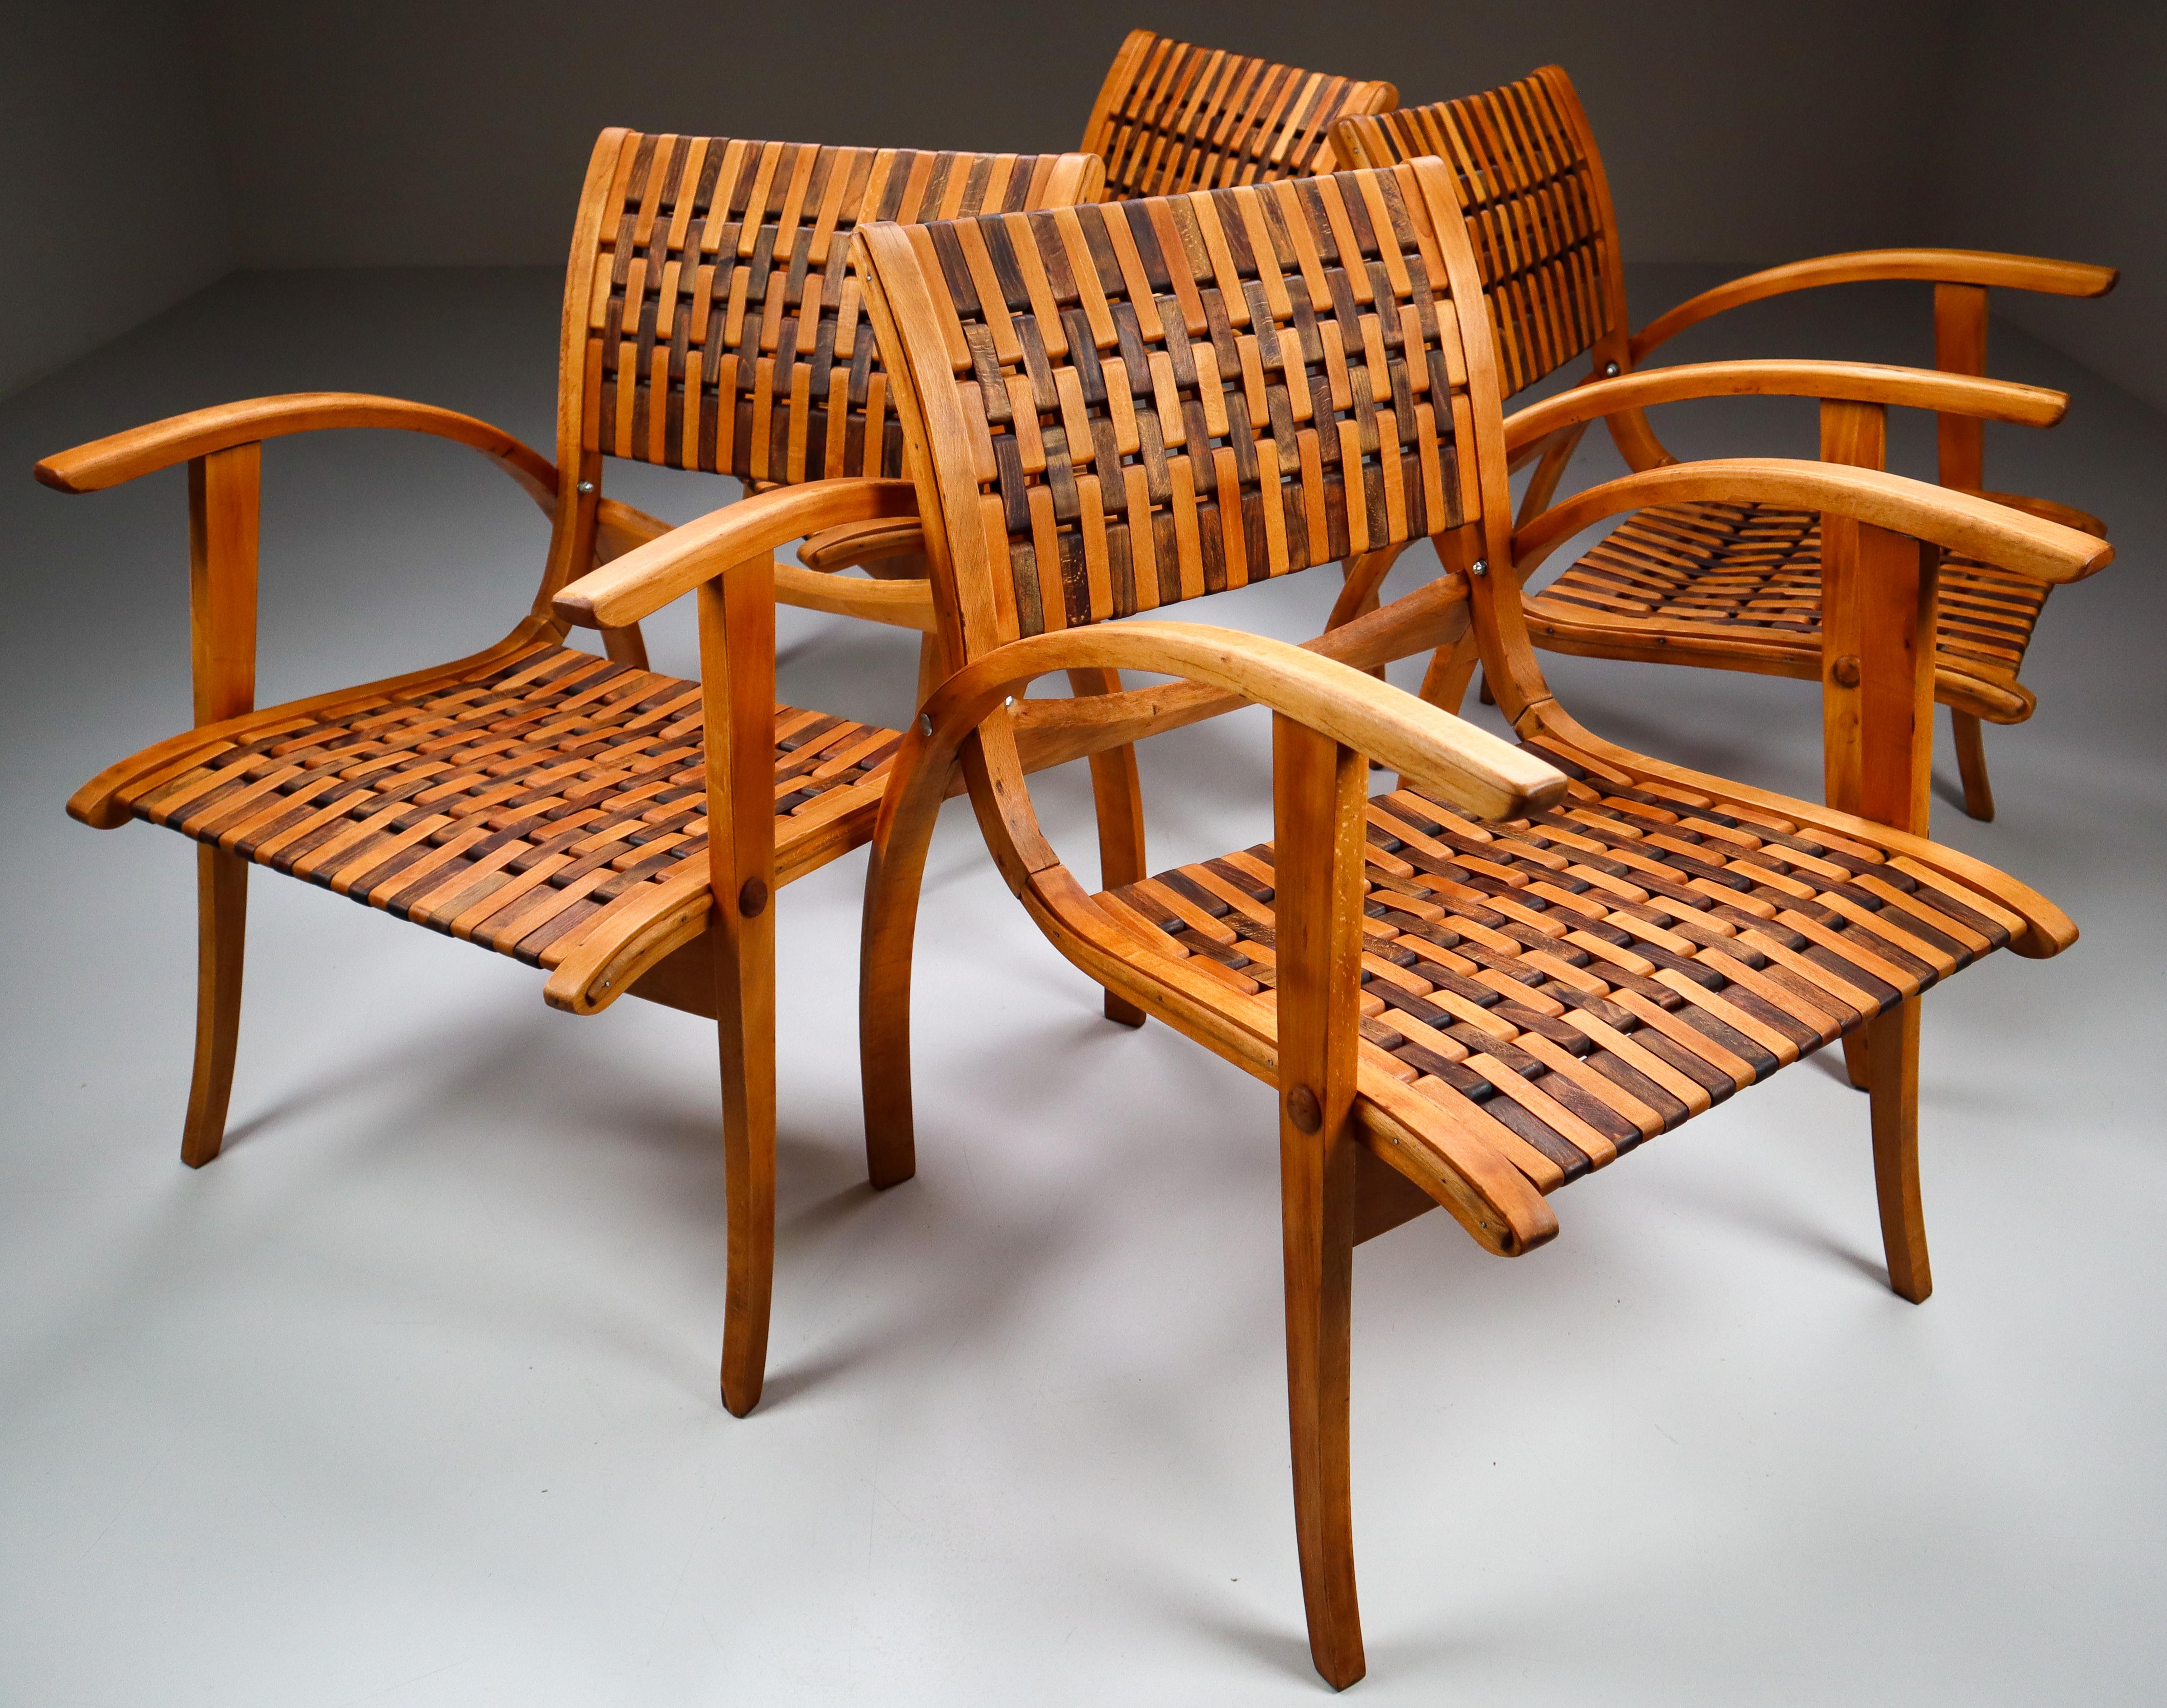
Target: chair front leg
(1879, 596)
(1320, 792)
(1893, 1054)
(737, 669)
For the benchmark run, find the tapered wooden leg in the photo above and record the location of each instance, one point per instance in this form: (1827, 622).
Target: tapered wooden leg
(1320, 800)
(1317, 1192)
(1971, 765)
(1117, 793)
(745, 1021)
(1895, 1049)
(1361, 589)
(626, 646)
(1855, 1056)
(221, 924)
(1445, 683)
(737, 672)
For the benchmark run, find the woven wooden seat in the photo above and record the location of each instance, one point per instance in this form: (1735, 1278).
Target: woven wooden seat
(1528, 958)
(1587, 977)
(524, 804)
(1528, 177)
(536, 799)
(1719, 583)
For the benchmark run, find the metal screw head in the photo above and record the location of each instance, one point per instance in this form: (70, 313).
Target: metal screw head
(1302, 1109)
(587, 486)
(1610, 370)
(925, 723)
(1479, 566)
(1010, 700)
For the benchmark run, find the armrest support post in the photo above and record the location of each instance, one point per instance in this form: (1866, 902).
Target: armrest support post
(1960, 347)
(1878, 675)
(1855, 434)
(224, 514)
(1319, 798)
(737, 678)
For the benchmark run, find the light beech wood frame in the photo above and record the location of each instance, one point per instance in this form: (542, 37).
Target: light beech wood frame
(1725, 587)
(1659, 939)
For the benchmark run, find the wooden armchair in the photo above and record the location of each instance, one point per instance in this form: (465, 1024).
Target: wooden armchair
(1731, 586)
(534, 798)
(1525, 960)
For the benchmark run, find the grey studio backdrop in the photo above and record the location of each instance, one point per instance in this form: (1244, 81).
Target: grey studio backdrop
(415, 133)
(408, 1400)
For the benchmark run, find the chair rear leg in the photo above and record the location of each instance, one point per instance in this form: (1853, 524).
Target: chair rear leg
(1117, 794)
(1971, 765)
(1893, 1050)
(1856, 1058)
(221, 925)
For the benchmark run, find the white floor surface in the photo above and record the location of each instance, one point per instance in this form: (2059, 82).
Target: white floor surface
(410, 1399)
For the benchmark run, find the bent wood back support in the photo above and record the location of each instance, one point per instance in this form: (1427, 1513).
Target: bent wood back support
(1129, 405)
(1523, 165)
(1173, 117)
(711, 317)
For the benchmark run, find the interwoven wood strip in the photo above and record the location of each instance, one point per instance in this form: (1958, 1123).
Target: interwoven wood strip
(515, 808)
(1752, 569)
(1174, 396)
(1177, 117)
(1592, 976)
(724, 327)
(1524, 167)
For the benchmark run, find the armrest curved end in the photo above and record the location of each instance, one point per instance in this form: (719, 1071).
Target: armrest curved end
(649, 577)
(54, 471)
(119, 457)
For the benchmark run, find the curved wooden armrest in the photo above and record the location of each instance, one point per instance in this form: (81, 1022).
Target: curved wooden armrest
(1490, 777)
(111, 461)
(1852, 382)
(1973, 266)
(857, 545)
(1993, 533)
(649, 577)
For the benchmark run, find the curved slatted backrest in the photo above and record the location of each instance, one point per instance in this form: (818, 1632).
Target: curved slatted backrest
(713, 320)
(1126, 406)
(1525, 166)
(1172, 117)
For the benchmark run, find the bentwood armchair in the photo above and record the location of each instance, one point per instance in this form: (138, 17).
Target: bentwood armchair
(1733, 586)
(535, 799)
(1527, 960)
